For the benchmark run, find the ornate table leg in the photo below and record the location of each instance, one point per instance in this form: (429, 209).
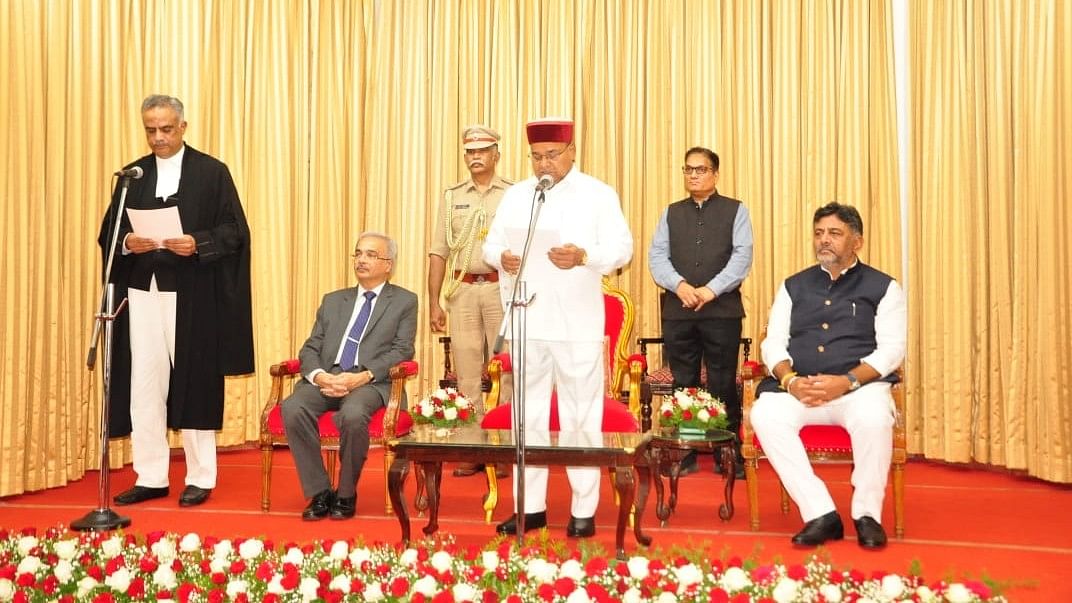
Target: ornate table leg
(662, 511)
(433, 475)
(643, 469)
(729, 474)
(396, 480)
(623, 483)
(420, 498)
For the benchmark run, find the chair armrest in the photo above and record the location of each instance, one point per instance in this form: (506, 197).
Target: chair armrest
(281, 373)
(751, 374)
(499, 364)
(399, 374)
(900, 435)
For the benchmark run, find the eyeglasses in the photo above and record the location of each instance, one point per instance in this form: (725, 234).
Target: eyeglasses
(699, 170)
(371, 256)
(550, 155)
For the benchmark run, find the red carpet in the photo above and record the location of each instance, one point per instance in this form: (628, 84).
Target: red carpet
(960, 523)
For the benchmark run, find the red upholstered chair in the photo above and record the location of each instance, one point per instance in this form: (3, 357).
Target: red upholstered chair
(824, 443)
(618, 415)
(388, 422)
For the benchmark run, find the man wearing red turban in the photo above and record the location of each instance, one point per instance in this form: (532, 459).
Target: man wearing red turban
(580, 235)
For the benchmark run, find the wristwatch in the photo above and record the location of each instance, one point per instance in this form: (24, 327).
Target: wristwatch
(854, 383)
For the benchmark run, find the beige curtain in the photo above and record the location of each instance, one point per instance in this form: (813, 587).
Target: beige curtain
(339, 117)
(990, 252)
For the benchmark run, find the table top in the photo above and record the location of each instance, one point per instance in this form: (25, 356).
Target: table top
(473, 436)
(711, 436)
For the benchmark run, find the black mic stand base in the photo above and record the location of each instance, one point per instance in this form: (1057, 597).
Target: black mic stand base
(100, 520)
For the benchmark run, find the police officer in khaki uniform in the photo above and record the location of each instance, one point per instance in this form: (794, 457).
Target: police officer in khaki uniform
(459, 277)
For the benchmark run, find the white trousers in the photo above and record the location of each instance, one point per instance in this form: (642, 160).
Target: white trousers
(867, 414)
(152, 356)
(575, 371)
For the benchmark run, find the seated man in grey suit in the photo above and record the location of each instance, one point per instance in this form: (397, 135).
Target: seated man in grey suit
(359, 334)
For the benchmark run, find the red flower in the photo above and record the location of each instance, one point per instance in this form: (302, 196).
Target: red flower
(113, 564)
(717, 595)
(49, 584)
(489, 596)
(238, 566)
(185, 590)
(443, 597)
(148, 565)
(565, 586)
(762, 573)
(856, 576)
(796, 572)
(216, 596)
(219, 578)
(981, 590)
(546, 592)
(264, 571)
(270, 598)
(153, 537)
(164, 595)
(96, 573)
(399, 587)
(104, 597)
(25, 580)
(595, 567)
(686, 414)
(290, 580)
(136, 590)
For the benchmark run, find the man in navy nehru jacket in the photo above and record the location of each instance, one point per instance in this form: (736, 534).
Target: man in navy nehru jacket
(836, 335)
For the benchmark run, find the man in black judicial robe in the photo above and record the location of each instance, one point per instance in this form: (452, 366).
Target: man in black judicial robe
(189, 320)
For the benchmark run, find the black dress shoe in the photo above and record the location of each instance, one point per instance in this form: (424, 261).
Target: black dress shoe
(139, 494)
(820, 529)
(192, 496)
(869, 533)
(319, 506)
(344, 508)
(533, 521)
(581, 527)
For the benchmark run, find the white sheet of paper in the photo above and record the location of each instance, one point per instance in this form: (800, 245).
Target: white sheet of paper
(538, 268)
(156, 224)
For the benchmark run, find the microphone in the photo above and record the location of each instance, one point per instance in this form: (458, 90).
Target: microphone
(546, 182)
(134, 172)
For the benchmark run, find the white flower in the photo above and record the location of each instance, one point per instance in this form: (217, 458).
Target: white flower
(831, 593)
(66, 549)
(165, 550)
(578, 596)
(308, 587)
(462, 402)
(892, 586)
(441, 394)
(541, 571)
(427, 410)
(632, 596)
(440, 561)
(666, 597)
(359, 556)
(683, 400)
(7, 589)
(236, 586)
(926, 595)
(703, 415)
(426, 586)
(275, 585)
(408, 557)
(294, 556)
(958, 593)
(120, 579)
(464, 592)
(372, 592)
(250, 549)
(573, 570)
(64, 571)
(735, 579)
(112, 547)
(165, 576)
(340, 583)
(28, 565)
(85, 586)
(27, 544)
(638, 567)
(450, 413)
(786, 590)
(339, 550)
(217, 564)
(490, 560)
(687, 575)
(222, 549)
(190, 543)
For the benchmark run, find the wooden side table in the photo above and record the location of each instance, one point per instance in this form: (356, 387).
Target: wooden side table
(666, 450)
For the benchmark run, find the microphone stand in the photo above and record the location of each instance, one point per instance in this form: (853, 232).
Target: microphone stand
(515, 316)
(103, 518)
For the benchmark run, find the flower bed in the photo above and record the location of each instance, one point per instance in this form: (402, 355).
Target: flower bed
(67, 566)
(444, 408)
(692, 408)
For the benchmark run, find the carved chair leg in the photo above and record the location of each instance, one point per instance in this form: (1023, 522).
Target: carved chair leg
(266, 476)
(751, 477)
(785, 498)
(388, 459)
(331, 462)
(898, 500)
(492, 499)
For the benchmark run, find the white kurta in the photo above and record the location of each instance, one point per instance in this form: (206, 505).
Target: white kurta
(567, 308)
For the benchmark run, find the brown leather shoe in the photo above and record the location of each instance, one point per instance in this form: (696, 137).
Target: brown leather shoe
(467, 469)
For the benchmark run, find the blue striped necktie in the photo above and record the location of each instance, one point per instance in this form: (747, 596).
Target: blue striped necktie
(353, 338)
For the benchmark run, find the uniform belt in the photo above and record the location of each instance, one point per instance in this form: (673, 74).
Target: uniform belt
(468, 277)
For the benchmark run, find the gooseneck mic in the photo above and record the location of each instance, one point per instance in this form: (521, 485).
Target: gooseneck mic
(545, 182)
(134, 172)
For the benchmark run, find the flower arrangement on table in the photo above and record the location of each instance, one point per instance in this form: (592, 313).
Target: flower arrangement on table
(445, 409)
(99, 567)
(692, 408)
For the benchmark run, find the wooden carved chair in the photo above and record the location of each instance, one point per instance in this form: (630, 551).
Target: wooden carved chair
(388, 422)
(659, 381)
(618, 414)
(824, 443)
